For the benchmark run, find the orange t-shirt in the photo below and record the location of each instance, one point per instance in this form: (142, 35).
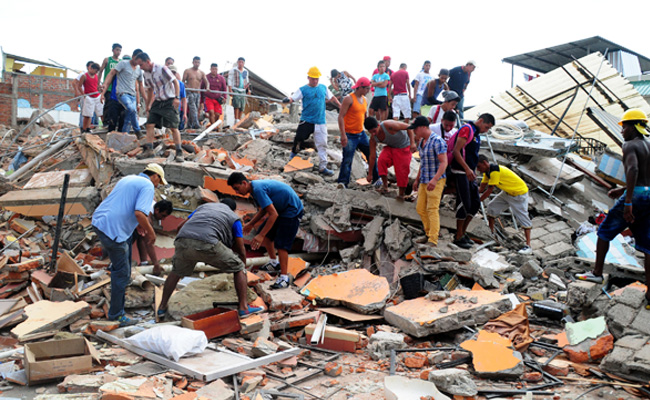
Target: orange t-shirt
(356, 115)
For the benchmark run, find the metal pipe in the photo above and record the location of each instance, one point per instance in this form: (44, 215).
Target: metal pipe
(59, 221)
(41, 144)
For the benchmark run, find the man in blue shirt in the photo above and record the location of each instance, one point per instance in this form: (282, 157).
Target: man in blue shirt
(314, 96)
(282, 208)
(211, 234)
(458, 81)
(380, 81)
(126, 208)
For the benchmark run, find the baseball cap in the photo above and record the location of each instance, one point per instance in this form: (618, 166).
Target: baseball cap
(173, 68)
(156, 168)
(472, 62)
(386, 58)
(450, 95)
(418, 122)
(363, 81)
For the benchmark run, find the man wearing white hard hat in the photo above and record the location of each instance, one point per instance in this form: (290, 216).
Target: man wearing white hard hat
(125, 209)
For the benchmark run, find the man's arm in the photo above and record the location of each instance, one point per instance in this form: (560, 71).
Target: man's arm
(335, 101)
(239, 249)
(145, 227)
(101, 69)
(414, 146)
(350, 76)
(272, 214)
(631, 162)
(415, 88)
(373, 157)
(177, 90)
(487, 192)
(442, 159)
(109, 78)
(149, 98)
(139, 92)
(205, 81)
(185, 77)
(345, 106)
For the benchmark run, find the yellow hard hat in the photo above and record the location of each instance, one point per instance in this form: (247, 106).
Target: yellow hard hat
(156, 168)
(314, 72)
(633, 114)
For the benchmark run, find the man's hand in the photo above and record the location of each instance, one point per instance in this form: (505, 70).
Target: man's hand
(101, 98)
(157, 269)
(414, 148)
(432, 185)
(616, 193)
(628, 215)
(344, 141)
(471, 176)
(247, 229)
(257, 242)
(141, 230)
(369, 177)
(176, 103)
(416, 184)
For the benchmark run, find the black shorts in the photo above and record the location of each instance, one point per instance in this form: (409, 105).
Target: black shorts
(305, 129)
(284, 231)
(163, 113)
(379, 103)
(467, 197)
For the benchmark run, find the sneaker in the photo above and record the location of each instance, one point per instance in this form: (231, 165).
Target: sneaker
(526, 250)
(179, 158)
(292, 156)
(281, 283)
(271, 266)
(251, 310)
(126, 321)
(378, 183)
(462, 244)
(326, 172)
(589, 277)
(161, 313)
(147, 153)
(341, 185)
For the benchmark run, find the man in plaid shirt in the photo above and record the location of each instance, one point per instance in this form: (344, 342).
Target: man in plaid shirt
(431, 178)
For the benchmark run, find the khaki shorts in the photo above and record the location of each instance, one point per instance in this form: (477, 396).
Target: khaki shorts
(163, 113)
(238, 102)
(190, 251)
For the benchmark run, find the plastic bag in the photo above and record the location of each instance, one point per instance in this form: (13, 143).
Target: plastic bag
(171, 341)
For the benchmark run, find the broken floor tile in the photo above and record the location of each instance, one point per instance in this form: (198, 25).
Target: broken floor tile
(494, 357)
(589, 340)
(46, 316)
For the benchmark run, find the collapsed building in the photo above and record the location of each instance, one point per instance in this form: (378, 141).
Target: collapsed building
(370, 310)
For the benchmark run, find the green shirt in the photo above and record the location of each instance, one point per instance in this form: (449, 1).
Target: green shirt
(109, 66)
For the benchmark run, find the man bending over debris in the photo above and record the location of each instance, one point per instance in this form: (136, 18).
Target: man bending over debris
(400, 143)
(462, 152)
(283, 210)
(431, 179)
(212, 234)
(314, 96)
(159, 211)
(632, 210)
(163, 99)
(114, 220)
(514, 194)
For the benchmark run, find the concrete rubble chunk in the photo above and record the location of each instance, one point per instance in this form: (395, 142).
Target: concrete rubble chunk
(381, 343)
(397, 239)
(338, 216)
(494, 357)
(589, 340)
(357, 289)
(217, 390)
(457, 382)
(372, 234)
(84, 383)
(122, 142)
(264, 347)
(279, 299)
(400, 387)
(531, 269)
(421, 317)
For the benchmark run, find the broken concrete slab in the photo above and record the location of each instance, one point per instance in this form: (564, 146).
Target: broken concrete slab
(372, 233)
(494, 357)
(84, 383)
(542, 172)
(40, 202)
(421, 317)
(630, 358)
(217, 390)
(78, 178)
(589, 340)
(122, 142)
(455, 381)
(397, 239)
(279, 299)
(402, 388)
(48, 316)
(357, 289)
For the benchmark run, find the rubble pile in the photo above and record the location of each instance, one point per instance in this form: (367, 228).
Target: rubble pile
(370, 310)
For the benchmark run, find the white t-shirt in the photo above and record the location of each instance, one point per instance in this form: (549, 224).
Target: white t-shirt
(423, 78)
(437, 129)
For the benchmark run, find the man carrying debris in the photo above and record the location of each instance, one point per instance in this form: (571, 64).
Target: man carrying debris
(458, 81)
(314, 96)
(163, 99)
(400, 143)
(159, 211)
(238, 84)
(632, 210)
(213, 101)
(128, 88)
(351, 117)
(514, 194)
(282, 208)
(193, 78)
(212, 234)
(431, 178)
(126, 208)
(462, 152)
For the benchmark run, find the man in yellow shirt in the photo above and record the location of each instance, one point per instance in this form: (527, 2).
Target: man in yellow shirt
(514, 194)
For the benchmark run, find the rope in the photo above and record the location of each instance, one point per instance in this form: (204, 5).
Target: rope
(507, 131)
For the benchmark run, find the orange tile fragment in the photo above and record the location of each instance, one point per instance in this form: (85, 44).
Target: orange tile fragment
(297, 164)
(220, 185)
(296, 265)
(491, 352)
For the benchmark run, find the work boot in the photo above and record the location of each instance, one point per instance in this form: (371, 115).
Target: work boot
(147, 153)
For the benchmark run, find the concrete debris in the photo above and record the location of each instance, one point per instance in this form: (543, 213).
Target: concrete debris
(381, 343)
(457, 382)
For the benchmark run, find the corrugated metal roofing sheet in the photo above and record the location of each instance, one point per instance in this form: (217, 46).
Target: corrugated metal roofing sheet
(542, 101)
(643, 87)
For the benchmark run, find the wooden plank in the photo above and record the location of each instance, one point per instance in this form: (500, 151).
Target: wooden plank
(94, 287)
(49, 316)
(10, 317)
(39, 202)
(66, 263)
(6, 305)
(78, 177)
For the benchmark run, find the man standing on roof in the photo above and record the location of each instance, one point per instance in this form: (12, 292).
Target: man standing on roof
(351, 117)
(400, 143)
(421, 81)
(163, 100)
(381, 82)
(514, 194)
(401, 92)
(112, 108)
(238, 85)
(128, 87)
(193, 79)
(126, 208)
(632, 210)
(313, 96)
(458, 81)
(213, 101)
(212, 234)
(282, 209)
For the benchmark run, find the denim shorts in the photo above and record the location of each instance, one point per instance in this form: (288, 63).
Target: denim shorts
(615, 223)
(283, 232)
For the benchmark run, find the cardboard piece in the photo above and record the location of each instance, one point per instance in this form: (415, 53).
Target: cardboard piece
(68, 264)
(58, 358)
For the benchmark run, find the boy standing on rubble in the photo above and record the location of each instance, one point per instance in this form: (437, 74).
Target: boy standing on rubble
(212, 234)
(124, 210)
(632, 210)
(313, 96)
(92, 103)
(514, 194)
(282, 208)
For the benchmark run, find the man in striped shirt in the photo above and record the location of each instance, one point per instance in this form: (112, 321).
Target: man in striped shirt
(431, 178)
(162, 99)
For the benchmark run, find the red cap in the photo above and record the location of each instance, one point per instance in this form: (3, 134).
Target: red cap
(363, 81)
(386, 58)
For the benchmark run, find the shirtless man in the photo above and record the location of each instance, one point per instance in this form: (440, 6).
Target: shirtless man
(193, 78)
(632, 210)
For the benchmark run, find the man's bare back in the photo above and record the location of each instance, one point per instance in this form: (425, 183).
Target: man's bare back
(193, 78)
(636, 154)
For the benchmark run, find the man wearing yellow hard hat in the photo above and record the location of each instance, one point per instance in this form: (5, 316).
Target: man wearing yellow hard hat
(313, 96)
(632, 209)
(126, 208)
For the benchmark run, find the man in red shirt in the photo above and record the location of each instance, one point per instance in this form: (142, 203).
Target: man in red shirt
(401, 91)
(92, 103)
(213, 100)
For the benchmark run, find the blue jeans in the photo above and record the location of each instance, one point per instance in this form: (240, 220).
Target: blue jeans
(615, 222)
(120, 255)
(460, 108)
(130, 113)
(355, 141)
